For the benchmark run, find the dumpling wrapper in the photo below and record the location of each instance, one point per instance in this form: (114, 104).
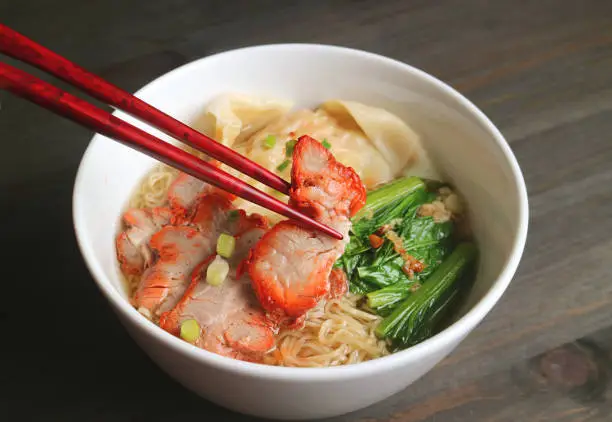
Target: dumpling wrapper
(399, 145)
(232, 118)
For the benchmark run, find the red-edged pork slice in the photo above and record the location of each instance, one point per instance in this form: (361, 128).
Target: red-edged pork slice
(179, 249)
(132, 243)
(290, 267)
(185, 190)
(232, 322)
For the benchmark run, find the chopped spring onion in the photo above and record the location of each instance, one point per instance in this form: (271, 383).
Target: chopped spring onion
(217, 271)
(269, 142)
(225, 245)
(326, 144)
(190, 330)
(233, 215)
(289, 146)
(283, 165)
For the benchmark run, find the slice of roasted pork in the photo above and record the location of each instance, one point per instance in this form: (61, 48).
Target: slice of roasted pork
(133, 242)
(290, 267)
(230, 319)
(177, 250)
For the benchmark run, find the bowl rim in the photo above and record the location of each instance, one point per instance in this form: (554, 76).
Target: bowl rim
(453, 333)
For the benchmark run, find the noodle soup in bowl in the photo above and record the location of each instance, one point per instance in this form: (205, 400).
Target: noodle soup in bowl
(464, 146)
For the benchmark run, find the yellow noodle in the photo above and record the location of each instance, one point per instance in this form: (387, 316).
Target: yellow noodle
(153, 191)
(335, 333)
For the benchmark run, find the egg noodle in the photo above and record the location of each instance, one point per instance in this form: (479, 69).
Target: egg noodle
(336, 332)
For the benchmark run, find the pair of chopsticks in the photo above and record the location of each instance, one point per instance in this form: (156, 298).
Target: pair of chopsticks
(60, 102)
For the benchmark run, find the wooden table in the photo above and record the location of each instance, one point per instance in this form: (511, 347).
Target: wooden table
(541, 69)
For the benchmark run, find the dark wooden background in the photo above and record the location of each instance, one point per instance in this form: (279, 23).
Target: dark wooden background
(541, 69)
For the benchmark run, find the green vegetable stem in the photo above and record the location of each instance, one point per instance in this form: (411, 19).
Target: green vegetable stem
(388, 194)
(408, 323)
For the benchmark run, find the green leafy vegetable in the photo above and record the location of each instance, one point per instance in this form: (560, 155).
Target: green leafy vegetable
(389, 203)
(410, 322)
(384, 267)
(413, 300)
(395, 202)
(377, 276)
(326, 144)
(353, 255)
(384, 300)
(423, 239)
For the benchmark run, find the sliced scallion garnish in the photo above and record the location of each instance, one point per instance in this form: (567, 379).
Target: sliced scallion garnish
(269, 142)
(289, 146)
(282, 166)
(225, 245)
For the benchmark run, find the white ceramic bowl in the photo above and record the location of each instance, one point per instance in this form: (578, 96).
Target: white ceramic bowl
(466, 145)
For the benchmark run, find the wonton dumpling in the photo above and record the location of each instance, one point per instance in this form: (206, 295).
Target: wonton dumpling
(348, 144)
(397, 143)
(232, 118)
(375, 143)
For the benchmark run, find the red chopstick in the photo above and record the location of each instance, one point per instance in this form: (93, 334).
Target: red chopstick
(60, 102)
(22, 48)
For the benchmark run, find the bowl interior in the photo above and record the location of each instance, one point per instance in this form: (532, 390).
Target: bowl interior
(459, 139)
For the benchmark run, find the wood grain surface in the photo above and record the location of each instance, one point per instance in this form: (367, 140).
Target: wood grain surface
(541, 69)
